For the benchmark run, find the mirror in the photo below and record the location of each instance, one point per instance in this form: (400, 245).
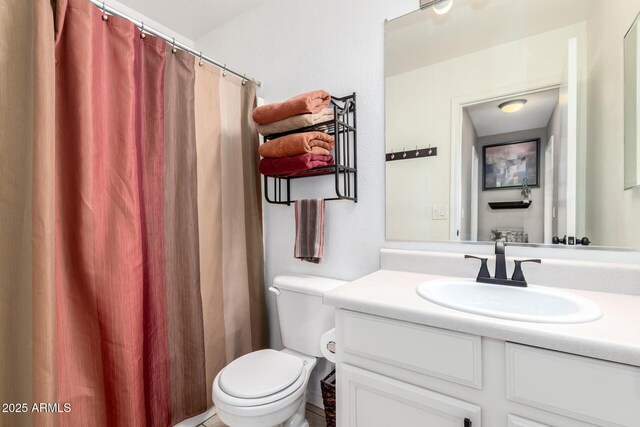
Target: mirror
(505, 119)
(631, 107)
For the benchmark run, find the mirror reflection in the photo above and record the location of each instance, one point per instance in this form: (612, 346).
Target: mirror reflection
(631, 107)
(524, 118)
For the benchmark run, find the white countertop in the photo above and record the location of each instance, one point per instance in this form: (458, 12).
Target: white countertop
(392, 294)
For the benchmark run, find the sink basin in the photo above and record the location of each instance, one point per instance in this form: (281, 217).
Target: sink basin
(532, 304)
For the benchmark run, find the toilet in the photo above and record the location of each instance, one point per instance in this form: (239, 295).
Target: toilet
(267, 388)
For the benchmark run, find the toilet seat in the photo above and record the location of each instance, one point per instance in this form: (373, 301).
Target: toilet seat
(260, 378)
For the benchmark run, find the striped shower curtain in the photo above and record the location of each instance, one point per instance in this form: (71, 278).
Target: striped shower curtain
(131, 261)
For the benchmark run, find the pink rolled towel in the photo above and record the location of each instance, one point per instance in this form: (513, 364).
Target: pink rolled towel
(310, 102)
(288, 165)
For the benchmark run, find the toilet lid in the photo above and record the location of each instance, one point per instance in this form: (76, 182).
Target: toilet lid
(260, 374)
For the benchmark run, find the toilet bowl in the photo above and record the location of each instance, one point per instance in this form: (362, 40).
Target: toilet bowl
(277, 397)
(267, 388)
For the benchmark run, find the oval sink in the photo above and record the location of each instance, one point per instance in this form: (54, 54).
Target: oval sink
(532, 304)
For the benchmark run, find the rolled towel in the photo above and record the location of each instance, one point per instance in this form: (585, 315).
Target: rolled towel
(288, 165)
(310, 102)
(296, 122)
(309, 244)
(297, 144)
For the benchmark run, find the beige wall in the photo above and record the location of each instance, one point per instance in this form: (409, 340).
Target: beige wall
(613, 214)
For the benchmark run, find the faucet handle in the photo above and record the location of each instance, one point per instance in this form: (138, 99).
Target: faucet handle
(517, 272)
(484, 270)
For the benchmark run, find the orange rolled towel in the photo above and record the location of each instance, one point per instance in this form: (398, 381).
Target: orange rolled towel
(310, 102)
(297, 144)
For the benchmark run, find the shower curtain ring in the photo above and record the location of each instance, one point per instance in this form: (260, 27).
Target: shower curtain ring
(105, 17)
(142, 34)
(224, 71)
(200, 63)
(244, 79)
(173, 46)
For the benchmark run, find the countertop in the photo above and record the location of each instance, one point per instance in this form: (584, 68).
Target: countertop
(392, 294)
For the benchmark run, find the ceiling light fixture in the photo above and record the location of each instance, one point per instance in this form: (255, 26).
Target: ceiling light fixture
(443, 7)
(513, 105)
(439, 6)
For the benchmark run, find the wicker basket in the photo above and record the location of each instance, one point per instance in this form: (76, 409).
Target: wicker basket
(328, 386)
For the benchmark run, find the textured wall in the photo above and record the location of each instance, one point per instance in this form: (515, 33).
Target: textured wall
(298, 45)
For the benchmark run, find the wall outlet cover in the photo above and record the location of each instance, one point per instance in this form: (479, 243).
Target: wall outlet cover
(440, 212)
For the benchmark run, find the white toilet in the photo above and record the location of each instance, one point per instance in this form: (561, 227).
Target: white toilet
(267, 388)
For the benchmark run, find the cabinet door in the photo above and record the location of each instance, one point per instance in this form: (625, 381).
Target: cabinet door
(515, 421)
(367, 399)
(602, 393)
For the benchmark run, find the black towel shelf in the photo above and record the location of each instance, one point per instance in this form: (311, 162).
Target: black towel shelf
(277, 188)
(519, 204)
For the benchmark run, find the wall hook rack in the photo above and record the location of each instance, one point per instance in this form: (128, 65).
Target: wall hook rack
(411, 154)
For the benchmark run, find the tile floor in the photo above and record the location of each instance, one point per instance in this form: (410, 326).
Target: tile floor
(315, 416)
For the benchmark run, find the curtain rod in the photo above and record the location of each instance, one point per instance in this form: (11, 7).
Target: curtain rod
(171, 40)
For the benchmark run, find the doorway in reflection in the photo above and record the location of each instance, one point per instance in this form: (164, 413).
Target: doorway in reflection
(514, 169)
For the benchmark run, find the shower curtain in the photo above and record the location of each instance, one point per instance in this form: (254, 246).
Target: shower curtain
(130, 221)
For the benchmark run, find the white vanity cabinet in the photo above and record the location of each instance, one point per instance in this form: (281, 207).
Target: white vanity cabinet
(397, 373)
(375, 400)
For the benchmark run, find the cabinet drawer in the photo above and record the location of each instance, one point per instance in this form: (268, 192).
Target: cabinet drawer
(448, 355)
(368, 399)
(590, 390)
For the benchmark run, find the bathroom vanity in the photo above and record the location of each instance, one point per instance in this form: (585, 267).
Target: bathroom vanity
(405, 361)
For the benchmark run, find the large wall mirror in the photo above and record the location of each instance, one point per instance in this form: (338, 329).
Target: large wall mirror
(514, 120)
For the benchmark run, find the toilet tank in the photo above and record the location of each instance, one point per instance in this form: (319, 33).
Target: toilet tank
(303, 318)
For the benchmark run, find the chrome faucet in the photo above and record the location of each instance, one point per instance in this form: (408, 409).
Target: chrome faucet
(500, 277)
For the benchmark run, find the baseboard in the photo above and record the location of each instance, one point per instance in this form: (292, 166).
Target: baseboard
(315, 399)
(198, 419)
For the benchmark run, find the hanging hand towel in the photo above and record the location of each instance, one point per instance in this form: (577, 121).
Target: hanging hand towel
(310, 102)
(296, 122)
(296, 144)
(288, 165)
(309, 230)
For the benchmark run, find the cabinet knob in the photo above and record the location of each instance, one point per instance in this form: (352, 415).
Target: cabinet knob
(467, 422)
(556, 240)
(584, 241)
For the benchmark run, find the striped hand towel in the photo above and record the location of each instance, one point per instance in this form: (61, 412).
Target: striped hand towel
(309, 230)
